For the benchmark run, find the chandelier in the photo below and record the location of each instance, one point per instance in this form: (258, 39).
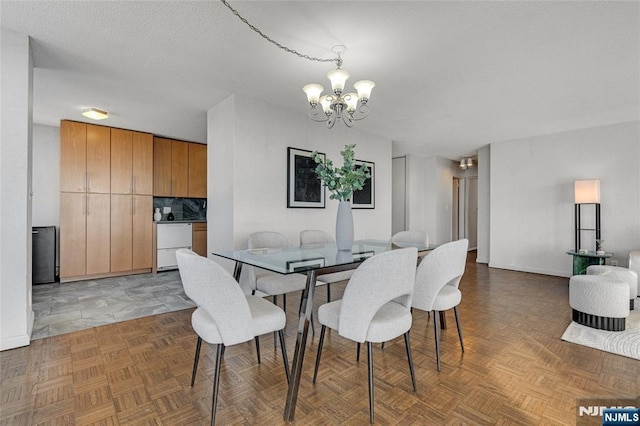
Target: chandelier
(346, 106)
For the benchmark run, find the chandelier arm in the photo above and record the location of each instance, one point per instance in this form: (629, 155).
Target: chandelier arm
(332, 119)
(285, 48)
(363, 111)
(348, 119)
(317, 114)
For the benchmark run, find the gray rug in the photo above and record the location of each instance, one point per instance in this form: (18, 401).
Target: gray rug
(625, 343)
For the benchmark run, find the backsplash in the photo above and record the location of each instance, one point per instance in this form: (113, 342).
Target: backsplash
(182, 208)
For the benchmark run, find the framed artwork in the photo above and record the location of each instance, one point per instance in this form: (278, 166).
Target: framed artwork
(304, 188)
(303, 264)
(366, 197)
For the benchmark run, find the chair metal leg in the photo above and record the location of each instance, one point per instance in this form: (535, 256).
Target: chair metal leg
(284, 303)
(370, 368)
(285, 359)
(195, 361)
(410, 359)
(455, 311)
(437, 336)
(257, 340)
(358, 352)
(216, 383)
(253, 292)
(275, 302)
(320, 343)
(328, 293)
(382, 345)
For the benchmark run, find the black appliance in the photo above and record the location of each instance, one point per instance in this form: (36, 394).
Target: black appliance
(43, 262)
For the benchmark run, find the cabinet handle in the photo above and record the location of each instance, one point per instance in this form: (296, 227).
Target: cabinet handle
(86, 205)
(134, 206)
(88, 182)
(134, 184)
(131, 206)
(131, 185)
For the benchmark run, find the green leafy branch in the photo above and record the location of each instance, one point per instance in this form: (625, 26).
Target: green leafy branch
(343, 181)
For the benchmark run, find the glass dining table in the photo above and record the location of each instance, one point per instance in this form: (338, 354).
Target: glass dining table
(312, 260)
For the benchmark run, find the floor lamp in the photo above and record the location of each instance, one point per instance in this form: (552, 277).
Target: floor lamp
(587, 192)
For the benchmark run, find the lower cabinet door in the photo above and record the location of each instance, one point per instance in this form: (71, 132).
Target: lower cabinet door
(98, 233)
(121, 232)
(73, 234)
(142, 231)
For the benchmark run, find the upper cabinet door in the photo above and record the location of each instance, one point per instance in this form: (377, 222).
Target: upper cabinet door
(121, 162)
(98, 159)
(142, 163)
(73, 156)
(180, 169)
(162, 167)
(197, 170)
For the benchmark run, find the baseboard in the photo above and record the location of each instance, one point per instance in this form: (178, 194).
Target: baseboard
(15, 342)
(531, 270)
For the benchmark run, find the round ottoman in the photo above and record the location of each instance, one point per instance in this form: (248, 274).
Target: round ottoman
(599, 301)
(626, 275)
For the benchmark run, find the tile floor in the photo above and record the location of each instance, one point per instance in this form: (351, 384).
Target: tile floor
(62, 308)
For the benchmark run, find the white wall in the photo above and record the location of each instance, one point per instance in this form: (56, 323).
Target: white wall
(16, 86)
(46, 175)
(247, 149)
(531, 217)
(484, 168)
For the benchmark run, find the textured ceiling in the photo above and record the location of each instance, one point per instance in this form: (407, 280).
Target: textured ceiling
(451, 76)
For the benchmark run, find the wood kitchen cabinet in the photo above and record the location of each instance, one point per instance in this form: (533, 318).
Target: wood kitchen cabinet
(85, 154)
(106, 202)
(131, 232)
(197, 170)
(170, 168)
(199, 240)
(131, 162)
(84, 234)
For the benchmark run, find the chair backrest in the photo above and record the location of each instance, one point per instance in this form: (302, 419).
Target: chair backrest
(378, 280)
(213, 289)
(268, 239)
(415, 237)
(314, 236)
(444, 265)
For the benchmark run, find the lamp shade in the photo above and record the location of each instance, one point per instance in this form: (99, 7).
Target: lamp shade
(352, 101)
(326, 104)
(338, 78)
(313, 92)
(587, 191)
(364, 88)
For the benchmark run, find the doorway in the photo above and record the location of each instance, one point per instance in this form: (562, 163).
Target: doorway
(465, 210)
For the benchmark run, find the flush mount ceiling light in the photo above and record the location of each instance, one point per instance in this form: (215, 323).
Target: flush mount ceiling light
(95, 114)
(348, 107)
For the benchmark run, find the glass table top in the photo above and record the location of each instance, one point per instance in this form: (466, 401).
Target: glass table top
(313, 256)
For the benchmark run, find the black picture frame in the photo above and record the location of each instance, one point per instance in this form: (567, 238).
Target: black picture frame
(366, 197)
(304, 188)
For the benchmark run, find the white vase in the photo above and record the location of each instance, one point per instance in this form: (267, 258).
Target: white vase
(344, 226)
(157, 215)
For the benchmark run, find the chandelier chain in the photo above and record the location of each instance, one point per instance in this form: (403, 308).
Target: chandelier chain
(285, 48)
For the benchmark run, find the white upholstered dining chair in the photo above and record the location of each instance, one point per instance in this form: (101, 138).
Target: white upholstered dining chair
(437, 280)
(410, 237)
(225, 316)
(375, 307)
(311, 237)
(271, 283)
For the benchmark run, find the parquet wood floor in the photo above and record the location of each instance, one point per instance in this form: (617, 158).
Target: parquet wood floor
(516, 370)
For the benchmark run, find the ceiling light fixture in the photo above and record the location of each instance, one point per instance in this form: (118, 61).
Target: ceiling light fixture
(338, 105)
(466, 162)
(95, 114)
(348, 106)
